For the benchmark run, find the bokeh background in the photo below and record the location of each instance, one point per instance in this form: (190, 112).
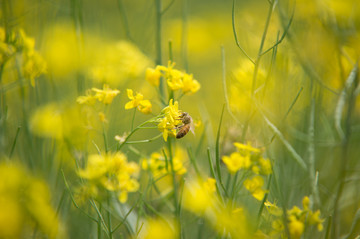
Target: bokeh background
(299, 88)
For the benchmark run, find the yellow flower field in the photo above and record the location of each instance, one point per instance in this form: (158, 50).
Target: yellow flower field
(179, 119)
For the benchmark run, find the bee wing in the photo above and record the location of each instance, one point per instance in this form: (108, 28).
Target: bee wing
(192, 128)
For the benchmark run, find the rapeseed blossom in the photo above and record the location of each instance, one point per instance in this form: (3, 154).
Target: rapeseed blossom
(176, 79)
(199, 196)
(167, 124)
(160, 229)
(158, 167)
(24, 203)
(254, 186)
(112, 172)
(298, 219)
(138, 102)
(32, 63)
(249, 158)
(105, 96)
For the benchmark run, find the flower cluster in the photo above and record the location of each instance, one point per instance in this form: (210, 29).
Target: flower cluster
(250, 159)
(137, 101)
(112, 172)
(24, 203)
(157, 165)
(201, 199)
(105, 96)
(32, 63)
(167, 124)
(175, 79)
(298, 219)
(159, 228)
(116, 62)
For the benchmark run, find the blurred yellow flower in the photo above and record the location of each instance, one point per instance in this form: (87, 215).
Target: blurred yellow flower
(106, 95)
(113, 172)
(314, 219)
(24, 202)
(298, 219)
(160, 229)
(190, 85)
(116, 62)
(273, 209)
(153, 76)
(296, 227)
(254, 186)
(236, 161)
(198, 197)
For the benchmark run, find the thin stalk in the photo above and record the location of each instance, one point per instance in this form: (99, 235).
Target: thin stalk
(257, 61)
(127, 214)
(109, 216)
(217, 146)
(133, 119)
(283, 35)
(263, 201)
(176, 213)
(145, 140)
(134, 130)
(235, 34)
(102, 221)
(124, 19)
(311, 150)
(14, 143)
(184, 35)
(105, 138)
(73, 200)
(158, 39)
(225, 87)
(167, 7)
(347, 94)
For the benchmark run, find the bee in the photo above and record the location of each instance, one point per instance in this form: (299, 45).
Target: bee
(187, 125)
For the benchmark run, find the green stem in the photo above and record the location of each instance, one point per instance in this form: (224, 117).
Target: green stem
(158, 39)
(171, 158)
(257, 61)
(105, 138)
(14, 143)
(133, 119)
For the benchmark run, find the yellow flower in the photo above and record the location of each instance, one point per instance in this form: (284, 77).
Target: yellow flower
(153, 76)
(254, 186)
(135, 100)
(33, 66)
(106, 95)
(306, 203)
(236, 162)
(175, 79)
(210, 184)
(198, 197)
(88, 98)
(296, 227)
(246, 148)
(273, 209)
(190, 85)
(112, 172)
(160, 229)
(145, 107)
(138, 102)
(24, 204)
(314, 218)
(265, 166)
(171, 120)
